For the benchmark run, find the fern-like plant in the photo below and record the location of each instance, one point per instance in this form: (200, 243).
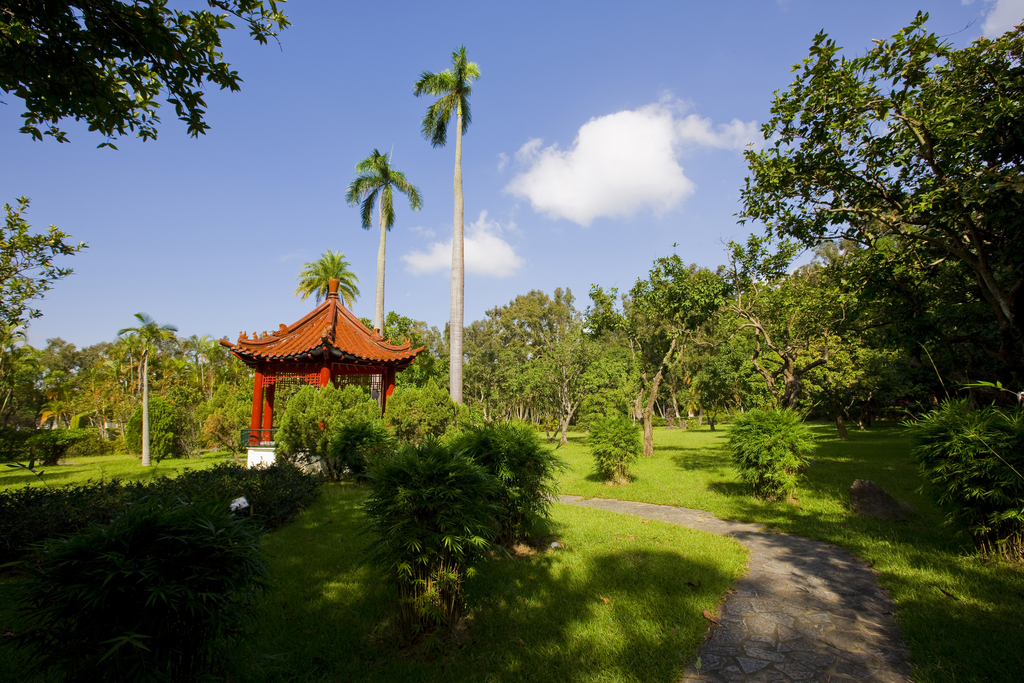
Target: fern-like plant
(431, 514)
(975, 461)
(511, 452)
(156, 595)
(615, 443)
(770, 447)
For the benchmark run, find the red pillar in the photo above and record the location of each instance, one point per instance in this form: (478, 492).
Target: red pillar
(389, 388)
(268, 412)
(257, 408)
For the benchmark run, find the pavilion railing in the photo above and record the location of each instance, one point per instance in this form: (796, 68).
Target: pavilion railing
(258, 437)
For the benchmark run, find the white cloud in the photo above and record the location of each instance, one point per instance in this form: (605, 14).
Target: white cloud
(1002, 16)
(502, 161)
(1006, 15)
(621, 163)
(486, 253)
(425, 232)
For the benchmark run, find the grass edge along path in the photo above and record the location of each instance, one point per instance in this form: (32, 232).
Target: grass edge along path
(621, 600)
(961, 615)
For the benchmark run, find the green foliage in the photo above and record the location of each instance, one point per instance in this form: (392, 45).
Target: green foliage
(32, 514)
(165, 428)
(431, 514)
(417, 414)
(355, 444)
(615, 443)
(913, 149)
(156, 595)
(975, 461)
(511, 452)
(224, 416)
(769, 448)
(312, 417)
(93, 444)
(50, 445)
(716, 386)
(107, 61)
(27, 267)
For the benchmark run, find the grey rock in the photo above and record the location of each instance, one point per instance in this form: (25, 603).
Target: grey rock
(871, 500)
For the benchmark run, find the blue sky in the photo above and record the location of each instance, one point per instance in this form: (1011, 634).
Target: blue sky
(603, 133)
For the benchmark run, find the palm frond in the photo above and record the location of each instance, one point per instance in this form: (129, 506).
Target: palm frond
(366, 209)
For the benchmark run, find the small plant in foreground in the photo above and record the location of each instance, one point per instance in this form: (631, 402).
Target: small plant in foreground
(430, 511)
(615, 443)
(525, 470)
(975, 460)
(156, 595)
(770, 447)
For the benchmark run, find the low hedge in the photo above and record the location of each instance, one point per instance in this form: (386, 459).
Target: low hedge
(31, 515)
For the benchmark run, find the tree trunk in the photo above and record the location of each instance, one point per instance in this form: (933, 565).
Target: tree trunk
(146, 461)
(378, 304)
(458, 273)
(841, 427)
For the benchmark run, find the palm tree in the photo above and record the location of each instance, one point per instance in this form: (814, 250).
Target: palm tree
(453, 86)
(376, 178)
(151, 334)
(316, 275)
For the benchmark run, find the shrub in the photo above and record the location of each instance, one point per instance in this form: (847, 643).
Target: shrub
(430, 510)
(975, 460)
(770, 447)
(31, 515)
(157, 594)
(164, 427)
(511, 452)
(50, 445)
(355, 444)
(313, 416)
(92, 444)
(615, 443)
(417, 414)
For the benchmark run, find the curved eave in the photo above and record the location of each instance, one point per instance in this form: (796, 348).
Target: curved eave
(316, 354)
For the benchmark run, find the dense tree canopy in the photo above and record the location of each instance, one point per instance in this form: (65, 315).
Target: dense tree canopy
(914, 151)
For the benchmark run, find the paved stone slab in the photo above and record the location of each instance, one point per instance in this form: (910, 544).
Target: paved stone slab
(804, 611)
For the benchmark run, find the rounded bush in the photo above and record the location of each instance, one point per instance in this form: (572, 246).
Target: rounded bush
(417, 414)
(615, 443)
(165, 425)
(355, 444)
(157, 594)
(770, 447)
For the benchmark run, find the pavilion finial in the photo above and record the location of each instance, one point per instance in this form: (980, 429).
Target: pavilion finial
(332, 288)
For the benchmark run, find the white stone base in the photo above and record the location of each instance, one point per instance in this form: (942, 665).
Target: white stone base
(260, 456)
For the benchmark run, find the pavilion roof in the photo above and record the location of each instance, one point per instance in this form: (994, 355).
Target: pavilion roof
(329, 332)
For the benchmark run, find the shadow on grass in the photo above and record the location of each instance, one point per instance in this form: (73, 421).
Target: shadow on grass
(576, 614)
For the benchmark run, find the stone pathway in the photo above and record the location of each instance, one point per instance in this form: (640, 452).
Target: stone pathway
(804, 611)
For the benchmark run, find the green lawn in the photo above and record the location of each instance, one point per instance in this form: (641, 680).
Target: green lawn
(621, 601)
(544, 616)
(962, 616)
(121, 466)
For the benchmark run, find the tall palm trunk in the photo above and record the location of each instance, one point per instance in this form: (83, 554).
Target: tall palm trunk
(458, 274)
(378, 308)
(146, 461)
